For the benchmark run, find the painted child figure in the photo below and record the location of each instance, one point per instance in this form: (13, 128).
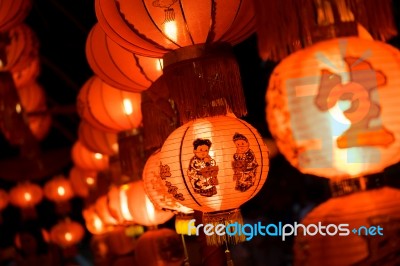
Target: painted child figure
(202, 169)
(244, 163)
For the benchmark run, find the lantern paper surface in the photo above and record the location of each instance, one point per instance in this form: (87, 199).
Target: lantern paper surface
(156, 189)
(332, 107)
(152, 28)
(379, 207)
(119, 67)
(32, 97)
(82, 180)
(67, 233)
(96, 140)
(28, 74)
(213, 164)
(93, 222)
(26, 195)
(108, 108)
(117, 199)
(13, 12)
(88, 160)
(102, 210)
(58, 189)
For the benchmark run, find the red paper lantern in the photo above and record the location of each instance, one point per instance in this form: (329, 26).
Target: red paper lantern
(118, 205)
(88, 160)
(58, 189)
(13, 12)
(26, 195)
(27, 75)
(96, 140)
(152, 28)
(332, 108)
(93, 222)
(22, 49)
(67, 233)
(32, 97)
(3, 199)
(119, 67)
(141, 208)
(82, 181)
(102, 210)
(107, 108)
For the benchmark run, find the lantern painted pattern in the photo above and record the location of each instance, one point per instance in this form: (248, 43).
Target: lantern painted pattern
(152, 28)
(67, 233)
(107, 108)
(88, 160)
(58, 189)
(96, 140)
(26, 195)
(214, 164)
(3, 199)
(332, 107)
(82, 181)
(379, 207)
(119, 67)
(155, 187)
(13, 12)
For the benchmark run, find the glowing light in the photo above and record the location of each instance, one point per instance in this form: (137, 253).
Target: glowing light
(98, 224)
(89, 180)
(61, 191)
(159, 65)
(27, 196)
(150, 209)
(115, 147)
(98, 156)
(128, 109)
(171, 30)
(123, 199)
(18, 108)
(68, 236)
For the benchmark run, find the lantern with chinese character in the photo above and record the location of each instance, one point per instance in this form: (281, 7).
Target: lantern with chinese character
(67, 233)
(119, 67)
(88, 160)
(82, 181)
(96, 140)
(331, 107)
(214, 165)
(13, 12)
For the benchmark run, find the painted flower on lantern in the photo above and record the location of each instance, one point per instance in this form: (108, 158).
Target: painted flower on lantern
(164, 174)
(203, 171)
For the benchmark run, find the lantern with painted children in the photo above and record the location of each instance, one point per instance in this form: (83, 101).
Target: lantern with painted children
(214, 165)
(332, 107)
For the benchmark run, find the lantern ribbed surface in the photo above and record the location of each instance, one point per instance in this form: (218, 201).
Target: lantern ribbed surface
(93, 222)
(96, 140)
(332, 107)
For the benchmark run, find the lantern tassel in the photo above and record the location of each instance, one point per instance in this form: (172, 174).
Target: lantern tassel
(225, 217)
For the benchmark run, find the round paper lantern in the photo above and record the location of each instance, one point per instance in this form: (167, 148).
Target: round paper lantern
(155, 188)
(67, 233)
(58, 189)
(107, 108)
(364, 246)
(13, 12)
(3, 199)
(332, 107)
(118, 204)
(22, 49)
(102, 210)
(82, 181)
(96, 140)
(93, 222)
(25, 195)
(152, 28)
(88, 160)
(119, 67)
(28, 74)
(141, 208)
(159, 247)
(32, 97)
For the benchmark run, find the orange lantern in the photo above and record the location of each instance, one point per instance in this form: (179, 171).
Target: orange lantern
(155, 188)
(25, 195)
(102, 210)
(118, 204)
(27, 75)
(96, 140)
(108, 108)
(67, 233)
(214, 165)
(152, 28)
(82, 181)
(13, 12)
(332, 107)
(58, 189)
(141, 208)
(362, 242)
(119, 67)
(93, 222)
(3, 199)
(159, 247)
(32, 97)
(21, 50)
(85, 159)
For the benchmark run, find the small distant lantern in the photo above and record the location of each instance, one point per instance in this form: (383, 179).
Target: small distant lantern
(58, 189)
(67, 233)
(82, 181)
(96, 140)
(93, 222)
(88, 160)
(26, 196)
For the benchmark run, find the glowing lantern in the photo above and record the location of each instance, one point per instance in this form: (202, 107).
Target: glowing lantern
(119, 67)
(21, 50)
(102, 210)
(96, 140)
(107, 108)
(67, 233)
(332, 108)
(152, 28)
(118, 204)
(214, 165)
(25, 195)
(13, 12)
(159, 247)
(93, 222)
(58, 189)
(32, 97)
(82, 181)
(3, 199)
(27, 75)
(141, 208)
(85, 159)
(365, 246)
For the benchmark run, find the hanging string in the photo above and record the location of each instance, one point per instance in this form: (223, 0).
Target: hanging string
(186, 260)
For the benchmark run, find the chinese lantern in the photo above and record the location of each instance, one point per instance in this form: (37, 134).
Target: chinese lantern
(331, 108)
(27, 75)
(82, 181)
(107, 108)
(93, 222)
(102, 210)
(360, 245)
(141, 208)
(58, 189)
(85, 159)
(22, 48)
(214, 165)
(117, 66)
(96, 140)
(118, 204)
(25, 195)
(3, 199)
(67, 233)
(152, 28)
(13, 12)
(159, 247)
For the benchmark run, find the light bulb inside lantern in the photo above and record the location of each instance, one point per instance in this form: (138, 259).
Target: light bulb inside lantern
(98, 224)
(98, 156)
(18, 108)
(27, 196)
(171, 30)
(61, 191)
(115, 147)
(68, 236)
(124, 203)
(89, 180)
(128, 109)
(159, 64)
